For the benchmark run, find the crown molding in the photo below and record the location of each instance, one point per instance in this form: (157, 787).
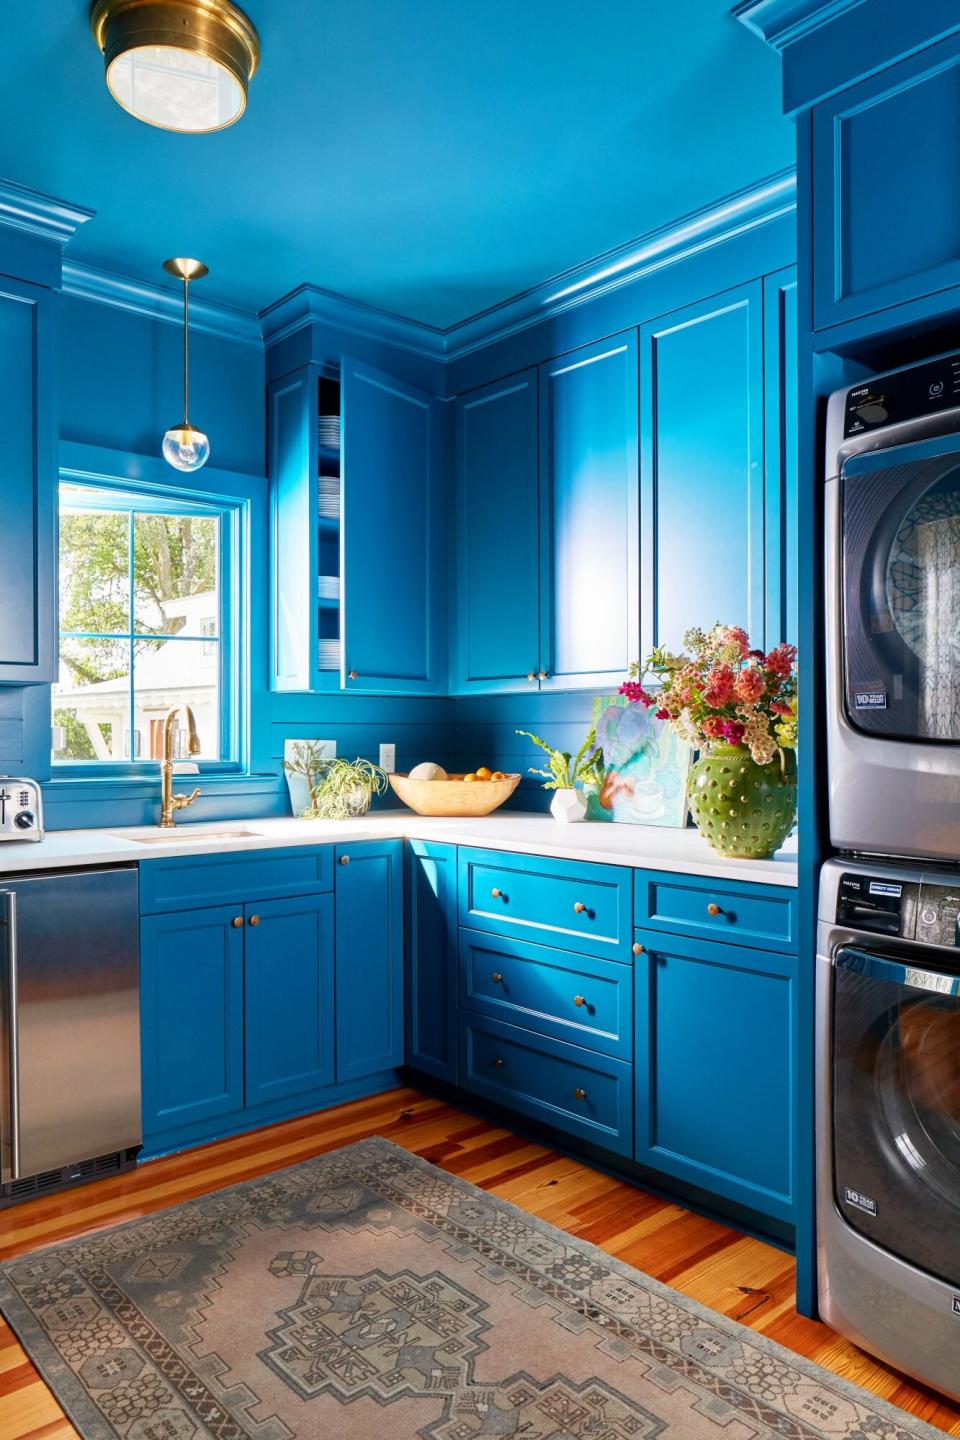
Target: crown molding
(312, 305)
(41, 215)
(782, 23)
(159, 302)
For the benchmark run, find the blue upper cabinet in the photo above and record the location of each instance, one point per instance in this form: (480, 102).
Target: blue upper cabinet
(391, 536)
(497, 637)
(781, 434)
(886, 205)
(702, 484)
(28, 426)
(589, 541)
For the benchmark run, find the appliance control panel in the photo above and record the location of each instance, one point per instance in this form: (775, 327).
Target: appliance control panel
(905, 395)
(926, 910)
(21, 814)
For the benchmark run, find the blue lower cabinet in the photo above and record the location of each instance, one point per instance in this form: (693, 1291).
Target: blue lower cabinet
(288, 990)
(431, 958)
(369, 957)
(715, 1057)
(576, 1091)
(191, 1019)
(573, 998)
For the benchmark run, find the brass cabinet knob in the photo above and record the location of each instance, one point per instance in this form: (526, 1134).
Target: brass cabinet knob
(498, 1063)
(638, 948)
(578, 1000)
(497, 978)
(344, 859)
(254, 919)
(237, 922)
(713, 909)
(578, 907)
(531, 675)
(496, 894)
(352, 675)
(579, 1094)
(541, 674)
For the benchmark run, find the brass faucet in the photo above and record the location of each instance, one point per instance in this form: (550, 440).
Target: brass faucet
(168, 801)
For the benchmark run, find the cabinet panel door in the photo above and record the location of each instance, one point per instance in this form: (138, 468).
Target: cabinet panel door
(292, 467)
(886, 212)
(781, 431)
(390, 548)
(369, 958)
(27, 423)
(498, 640)
(288, 989)
(191, 1017)
(589, 545)
(702, 468)
(714, 1069)
(431, 958)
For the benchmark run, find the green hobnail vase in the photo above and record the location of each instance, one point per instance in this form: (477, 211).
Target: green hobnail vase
(743, 810)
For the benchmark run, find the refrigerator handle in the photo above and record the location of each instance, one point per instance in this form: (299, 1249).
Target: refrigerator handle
(13, 1030)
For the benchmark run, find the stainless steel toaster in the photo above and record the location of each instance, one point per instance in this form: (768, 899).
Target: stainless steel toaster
(21, 809)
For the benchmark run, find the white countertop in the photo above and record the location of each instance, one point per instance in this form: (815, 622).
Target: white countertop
(642, 847)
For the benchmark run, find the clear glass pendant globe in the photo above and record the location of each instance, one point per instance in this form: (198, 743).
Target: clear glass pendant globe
(186, 448)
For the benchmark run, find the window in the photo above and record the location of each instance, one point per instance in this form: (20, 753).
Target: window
(143, 626)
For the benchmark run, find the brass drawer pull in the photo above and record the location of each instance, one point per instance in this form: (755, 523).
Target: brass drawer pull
(713, 908)
(352, 675)
(541, 674)
(344, 859)
(579, 1094)
(498, 1063)
(578, 1000)
(579, 908)
(497, 978)
(254, 919)
(531, 675)
(496, 894)
(637, 948)
(237, 922)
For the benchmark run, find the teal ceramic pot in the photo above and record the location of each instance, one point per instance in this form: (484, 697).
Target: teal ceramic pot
(742, 809)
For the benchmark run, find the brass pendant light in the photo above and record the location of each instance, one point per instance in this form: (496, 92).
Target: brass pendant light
(178, 64)
(184, 446)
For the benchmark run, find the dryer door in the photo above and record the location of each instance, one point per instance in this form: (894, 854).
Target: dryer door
(896, 1106)
(900, 544)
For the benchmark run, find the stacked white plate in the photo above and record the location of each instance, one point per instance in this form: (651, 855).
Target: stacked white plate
(328, 496)
(328, 431)
(328, 587)
(328, 654)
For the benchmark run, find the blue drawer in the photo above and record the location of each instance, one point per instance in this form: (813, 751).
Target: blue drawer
(764, 916)
(574, 1090)
(576, 906)
(187, 882)
(575, 998)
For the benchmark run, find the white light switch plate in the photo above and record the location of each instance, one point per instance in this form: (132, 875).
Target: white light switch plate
(388, 758)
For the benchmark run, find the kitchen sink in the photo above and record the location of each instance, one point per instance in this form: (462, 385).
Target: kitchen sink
(186, 832)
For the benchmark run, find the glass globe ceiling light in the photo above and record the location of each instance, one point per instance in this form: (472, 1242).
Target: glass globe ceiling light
(185, 447)
(178, 64)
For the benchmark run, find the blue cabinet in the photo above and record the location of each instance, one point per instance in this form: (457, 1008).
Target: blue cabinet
(289, 997)
(702, 481)
(715, 1060)
(886, 205)
(497, 624)
(589, 540)
(780, 449)
(369, 958)
(431, 958)
(28, 426)
(191, 1026)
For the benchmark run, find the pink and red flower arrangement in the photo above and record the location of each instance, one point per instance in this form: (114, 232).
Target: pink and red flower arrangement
(723, 691)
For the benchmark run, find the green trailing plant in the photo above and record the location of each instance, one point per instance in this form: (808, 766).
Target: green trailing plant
(339, 789)
(566, 771)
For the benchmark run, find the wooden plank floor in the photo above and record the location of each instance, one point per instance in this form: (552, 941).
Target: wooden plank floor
(731, 1273)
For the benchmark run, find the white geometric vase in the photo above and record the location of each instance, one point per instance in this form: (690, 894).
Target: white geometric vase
(568, 805)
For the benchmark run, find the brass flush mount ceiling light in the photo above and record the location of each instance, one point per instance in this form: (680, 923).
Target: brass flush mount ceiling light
(178, 64)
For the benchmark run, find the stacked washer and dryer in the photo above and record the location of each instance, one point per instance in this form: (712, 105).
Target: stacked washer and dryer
(888, 943)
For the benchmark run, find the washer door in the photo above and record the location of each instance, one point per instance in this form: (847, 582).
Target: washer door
(900, 539)
(896, 1107)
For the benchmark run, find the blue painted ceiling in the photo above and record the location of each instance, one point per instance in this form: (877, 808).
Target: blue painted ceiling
(432, 157)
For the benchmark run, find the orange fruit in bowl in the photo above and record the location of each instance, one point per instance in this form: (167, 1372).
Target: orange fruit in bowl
(498, 775)
(483, 773)
(468, 779)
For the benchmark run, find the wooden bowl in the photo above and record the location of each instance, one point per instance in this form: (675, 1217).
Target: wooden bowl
(453, 796)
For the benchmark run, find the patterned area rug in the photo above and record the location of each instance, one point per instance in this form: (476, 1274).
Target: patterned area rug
(368, 1294)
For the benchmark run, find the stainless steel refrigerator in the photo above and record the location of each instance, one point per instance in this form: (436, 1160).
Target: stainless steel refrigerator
(69, 1028)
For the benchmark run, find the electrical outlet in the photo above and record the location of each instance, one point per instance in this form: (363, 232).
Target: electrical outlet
(388, 758)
